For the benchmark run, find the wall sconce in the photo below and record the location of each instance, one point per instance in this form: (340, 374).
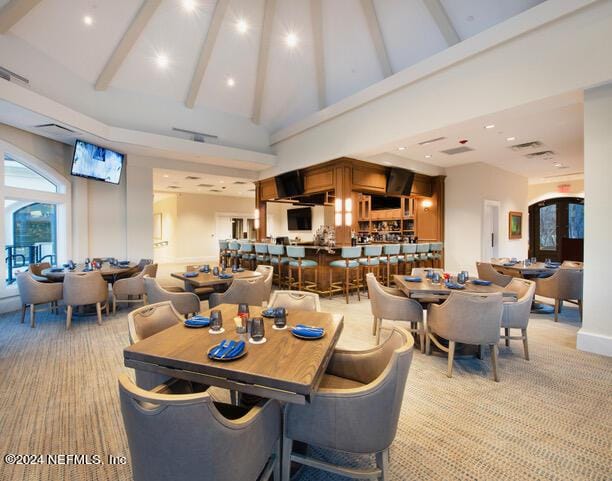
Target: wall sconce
(256, 215)
(338, 219)
(338, 212)
(427, 204)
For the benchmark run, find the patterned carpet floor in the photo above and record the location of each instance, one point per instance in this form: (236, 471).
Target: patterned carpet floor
(549, 418)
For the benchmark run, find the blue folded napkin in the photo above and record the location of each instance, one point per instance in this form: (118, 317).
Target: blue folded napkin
(508, 264)
(225, 276)
(88, 269)
(481, 282)
(412, 279)
(552, 265)
(197, 321)
(308, 331)
(227, 350)
(454, 285)
(123, 263)
(206, 271)
(191, 274)
(57, 269)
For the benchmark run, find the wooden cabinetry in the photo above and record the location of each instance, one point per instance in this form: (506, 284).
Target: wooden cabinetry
(400, 221)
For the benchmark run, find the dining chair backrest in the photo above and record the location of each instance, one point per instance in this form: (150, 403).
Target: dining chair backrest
(572, 264)
(296, 251)
(296, 300)
(81, 288)
(251, 291)
(261, 248)
(151, 319)
(268, 273)
(246, 247)
(184, 302)
(388, 306)
(563, 284)
(142, 263)
(487, 272)
(409, 248)
(37, 268)
(516, 313)
(233, 245)
(350, 252)
(372, 250)
(223, 245)
(32, 291)
(276, 250)
(422, 248)
(391, 249)
(436, 246)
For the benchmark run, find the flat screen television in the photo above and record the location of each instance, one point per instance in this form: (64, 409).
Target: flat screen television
(380, 202)
(95, 162)
(399, 181)
(299, 219)
(289, 184)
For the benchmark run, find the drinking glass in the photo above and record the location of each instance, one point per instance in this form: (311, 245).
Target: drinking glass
(466, 276)
(435, 278)
(206, 268)
(547, 260)
(243, 311)
(215, 271)
(280, 317)
(216, 320)
(258, 329)
(461, 277)
(428, 273)
(534, 260)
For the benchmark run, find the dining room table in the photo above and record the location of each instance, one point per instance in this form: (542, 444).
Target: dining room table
(426, 289)
(109, 272)
(285, 367)
(208, 279)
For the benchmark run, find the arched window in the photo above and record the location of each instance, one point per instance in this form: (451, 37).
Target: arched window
(36, 214)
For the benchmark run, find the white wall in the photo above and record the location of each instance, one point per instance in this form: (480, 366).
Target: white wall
(550, 190)
(466, 189)
(277, 220)
(596, 332)
(165, 205)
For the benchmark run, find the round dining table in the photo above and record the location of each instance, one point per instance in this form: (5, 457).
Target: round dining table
(108, 272)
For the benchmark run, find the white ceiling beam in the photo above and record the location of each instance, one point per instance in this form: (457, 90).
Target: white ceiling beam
(14, 11)
(316, 16)
(377, 39)
(126, 43)
(262, 59)
(206, 52)
(439, 15)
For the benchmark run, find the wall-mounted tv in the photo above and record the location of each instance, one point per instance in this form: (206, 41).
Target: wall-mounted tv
(299, 219)
(289, 184)
(399, 181)
(95, 162)
(380, 202)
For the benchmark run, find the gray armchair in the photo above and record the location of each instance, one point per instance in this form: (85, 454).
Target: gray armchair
(487, 272)
(125, 289)
(356, 408)
(33, 293)
(296, 300)
(394, 308)
(565, 284)
(183, 437)
(268, 274)
(516, 314)
(249, 291)
(186, 303)
(83, 288)
(466, 318)
(36, 270)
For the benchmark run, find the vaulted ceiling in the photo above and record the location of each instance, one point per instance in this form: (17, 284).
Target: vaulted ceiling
(236, 69)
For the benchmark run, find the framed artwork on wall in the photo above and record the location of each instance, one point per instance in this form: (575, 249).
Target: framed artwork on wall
(515, 225)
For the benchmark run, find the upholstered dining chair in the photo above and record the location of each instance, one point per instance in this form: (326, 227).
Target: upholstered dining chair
(268, 273)
(33, 292)
(84, 288)
(296, 300)
(125, 289)
(386, 305)
(36, 270)
(487, 272)
(466, 318)
(183, 437)
(516, 314)
(186, 303)
(250, 291)
(355, 409)
(563, 285)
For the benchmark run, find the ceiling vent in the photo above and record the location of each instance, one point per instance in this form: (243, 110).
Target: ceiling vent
(215, 190)
(239, 182)
(55, 129)
(7, 74)
(174, 187)
(431, 141)
(198, 136)
(527, 146)
(251, 190)
(457, 150)
(192, 177)
(543, 154)
(205, 185)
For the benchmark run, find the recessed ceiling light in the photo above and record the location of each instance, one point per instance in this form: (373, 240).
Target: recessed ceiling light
(166, 176)
(231, 82)
(190, 5)
(291, 39)
(242, 26)
(428, 156)
(162, 60)
(510, 139)
(88, 20)
(222, 182)
(490, 126)
(401, 148)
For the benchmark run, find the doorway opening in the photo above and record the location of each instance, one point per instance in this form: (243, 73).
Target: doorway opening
(490, 229)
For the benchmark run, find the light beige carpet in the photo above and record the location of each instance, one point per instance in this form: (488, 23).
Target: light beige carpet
(549, 418)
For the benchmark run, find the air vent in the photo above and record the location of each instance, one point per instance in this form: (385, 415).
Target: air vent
(239, 182)
(55, 129)
(215, 190)
(174, 187)
(456, 150)
(431, 141)
(191, 177)
(543, 154)
(198, 136)
(251, 190)
(527, 146)
(205, 185)
(7, 74)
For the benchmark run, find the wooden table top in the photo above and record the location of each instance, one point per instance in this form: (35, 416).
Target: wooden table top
(206, 280)
(426, 289)
(284, 368)
(106, 270)
(535, 267)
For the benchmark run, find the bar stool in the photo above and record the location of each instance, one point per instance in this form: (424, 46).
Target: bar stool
(247, 254)
(371, 261)
(349, 262)
(435, 253)
(407, 257)
(224, 252)
(233, 248)
(261, 254)
(421, 253)
(389, 259)
(278, 259)
(296, 256)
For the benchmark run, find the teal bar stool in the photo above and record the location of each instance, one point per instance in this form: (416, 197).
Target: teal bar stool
(371, 261)
(261, 254)
(278, 260)
(421, 253)
(390, 259)
(435, 253)
(407, 259)
(247, 254)
(349, 262)
(233, 247)
(224, 252)
(296, 261)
